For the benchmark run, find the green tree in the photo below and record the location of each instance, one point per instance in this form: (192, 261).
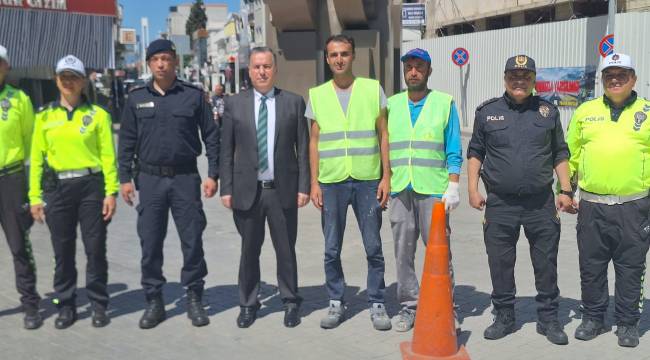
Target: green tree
(198, 19)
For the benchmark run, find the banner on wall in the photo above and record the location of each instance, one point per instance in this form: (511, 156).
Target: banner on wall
(566, 86)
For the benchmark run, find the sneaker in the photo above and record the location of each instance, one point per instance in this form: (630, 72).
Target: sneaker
(335, 315)
(404, 320)
(628, 335)
(504, 324)
(379, 317)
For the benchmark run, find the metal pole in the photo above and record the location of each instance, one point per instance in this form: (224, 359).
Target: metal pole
(611, 17)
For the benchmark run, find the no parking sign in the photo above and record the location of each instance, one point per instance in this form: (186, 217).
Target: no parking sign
(460, 56)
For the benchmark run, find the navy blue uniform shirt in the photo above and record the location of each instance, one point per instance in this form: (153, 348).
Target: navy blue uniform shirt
(518, 144)
(163, 130)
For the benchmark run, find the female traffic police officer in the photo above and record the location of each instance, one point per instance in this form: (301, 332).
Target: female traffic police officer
(74, 159)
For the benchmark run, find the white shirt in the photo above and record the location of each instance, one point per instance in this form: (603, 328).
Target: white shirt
(270, 127)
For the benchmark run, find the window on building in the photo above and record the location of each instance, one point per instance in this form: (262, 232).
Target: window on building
(463, 28)
(498, 22)
(443, 31)
(538, 16)
(589, 8)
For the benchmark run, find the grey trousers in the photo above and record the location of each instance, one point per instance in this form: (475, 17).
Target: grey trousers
(410, 217)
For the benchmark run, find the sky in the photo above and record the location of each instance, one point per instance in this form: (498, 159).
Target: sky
(157, 10)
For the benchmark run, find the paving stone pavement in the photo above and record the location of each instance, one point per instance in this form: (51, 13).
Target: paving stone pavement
(268, 338)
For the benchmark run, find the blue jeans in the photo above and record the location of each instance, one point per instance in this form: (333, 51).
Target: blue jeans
(362, 195)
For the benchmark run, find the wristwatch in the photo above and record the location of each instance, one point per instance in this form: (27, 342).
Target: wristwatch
(567, 193)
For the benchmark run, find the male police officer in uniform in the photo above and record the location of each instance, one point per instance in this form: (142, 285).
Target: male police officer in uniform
(16, 123)
(608, 139)
(160, 131)
(518, 140)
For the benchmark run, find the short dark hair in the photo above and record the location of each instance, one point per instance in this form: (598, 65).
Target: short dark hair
(339, 38)
(264, 49)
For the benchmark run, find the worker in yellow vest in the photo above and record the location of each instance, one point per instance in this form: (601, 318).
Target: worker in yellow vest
(348, 154)
(608, 141)
(73, 180)
(16, 123)
(425, 160)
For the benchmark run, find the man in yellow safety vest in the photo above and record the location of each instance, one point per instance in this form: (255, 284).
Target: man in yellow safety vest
(348, 153)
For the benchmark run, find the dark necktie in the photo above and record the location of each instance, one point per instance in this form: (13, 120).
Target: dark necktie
(263, 160)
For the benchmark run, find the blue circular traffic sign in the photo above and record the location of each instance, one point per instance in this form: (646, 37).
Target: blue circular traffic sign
(606, 45)
(460, 56)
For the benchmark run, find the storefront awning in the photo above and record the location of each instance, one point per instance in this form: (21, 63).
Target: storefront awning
(37, 39)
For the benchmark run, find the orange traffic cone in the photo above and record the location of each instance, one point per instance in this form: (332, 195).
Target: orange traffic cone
(434, 333)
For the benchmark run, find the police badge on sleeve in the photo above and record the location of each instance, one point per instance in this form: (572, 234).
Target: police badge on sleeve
(86, 121)
(639, 118)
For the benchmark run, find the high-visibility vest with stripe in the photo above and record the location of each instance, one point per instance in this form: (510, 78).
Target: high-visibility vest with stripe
(417, 152)
(348, 144)
(611, 157)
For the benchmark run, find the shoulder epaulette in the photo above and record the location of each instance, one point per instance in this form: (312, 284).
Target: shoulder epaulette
(45, 107)
(487, 103)
(190, 85)
(135, 88)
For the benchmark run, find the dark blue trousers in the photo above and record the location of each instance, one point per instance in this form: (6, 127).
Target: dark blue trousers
(182, 195)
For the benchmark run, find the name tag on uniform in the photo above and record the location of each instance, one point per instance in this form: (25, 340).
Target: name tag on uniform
(146, 105)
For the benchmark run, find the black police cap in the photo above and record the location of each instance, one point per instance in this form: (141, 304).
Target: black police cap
(520, 62)
(160, 45)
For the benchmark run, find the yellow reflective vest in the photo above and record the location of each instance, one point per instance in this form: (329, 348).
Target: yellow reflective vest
(348, 145)
(16, 124)
(611, 157)
(84, 141)
(417, 152)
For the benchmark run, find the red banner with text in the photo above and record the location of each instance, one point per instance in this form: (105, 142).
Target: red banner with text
(94, 7)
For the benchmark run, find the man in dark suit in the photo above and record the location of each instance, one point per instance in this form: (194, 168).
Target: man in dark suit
(265, 175)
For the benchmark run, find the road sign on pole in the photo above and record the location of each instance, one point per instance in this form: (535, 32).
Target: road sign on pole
(460, 56)
(606, 45)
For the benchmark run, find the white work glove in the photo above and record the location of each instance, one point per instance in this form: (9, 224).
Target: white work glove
(451, 197)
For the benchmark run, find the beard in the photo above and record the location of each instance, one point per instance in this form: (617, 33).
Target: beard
(417, 87)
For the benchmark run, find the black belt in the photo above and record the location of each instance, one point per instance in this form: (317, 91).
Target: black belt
(11, 168)
(168, 171)
(266, 184)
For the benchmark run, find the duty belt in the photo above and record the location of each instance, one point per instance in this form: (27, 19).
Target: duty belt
(610, 199)
(11, 168)
(168, 171)
(72, 174)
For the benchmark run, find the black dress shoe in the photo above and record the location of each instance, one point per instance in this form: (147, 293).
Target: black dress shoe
(291, 315)
(100, 318)
(67, 317)
(195, 310)
(32, 319)
(154, 314)
(247, 316)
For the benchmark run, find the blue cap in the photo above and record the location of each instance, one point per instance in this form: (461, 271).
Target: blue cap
(160, 45)
(416, 53)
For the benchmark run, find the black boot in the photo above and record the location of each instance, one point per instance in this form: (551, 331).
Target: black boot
(32, 319)
(195, 310)
(589, 329)
(100, 318)
(553, 332)
(154, 314)
(504, 324)
(628, 335)
(67, 317)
